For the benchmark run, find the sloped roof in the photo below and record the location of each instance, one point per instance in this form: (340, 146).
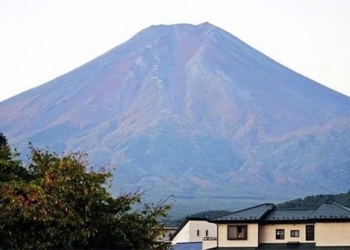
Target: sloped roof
(290, 214)
(249, 214)
(267, 213)
(331, 211)
(187, 246)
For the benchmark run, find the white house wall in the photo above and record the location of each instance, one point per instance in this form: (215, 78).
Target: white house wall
(332, 234)
(268, 233)
(183, 235)
(202, 226)
(189, 232)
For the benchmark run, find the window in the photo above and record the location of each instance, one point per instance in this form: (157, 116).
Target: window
(206, 233)
(279, 234)
(197, 232)
(238, 232)
(294, 233)
(310, 232)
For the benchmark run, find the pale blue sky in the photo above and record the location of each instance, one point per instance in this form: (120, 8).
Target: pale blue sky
(40, 39)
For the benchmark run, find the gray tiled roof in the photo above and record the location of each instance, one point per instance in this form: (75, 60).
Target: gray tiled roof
(187, 246)
(252, 213)
(290, 214)
(269, 213)
(331, 211)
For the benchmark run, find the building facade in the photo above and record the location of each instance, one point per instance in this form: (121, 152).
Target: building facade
(194, 230)
(267, 227)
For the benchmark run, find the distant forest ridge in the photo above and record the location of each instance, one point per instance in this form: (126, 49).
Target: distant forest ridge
(314, 201)
(309, 202)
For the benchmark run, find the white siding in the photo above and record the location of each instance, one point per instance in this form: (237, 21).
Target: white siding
(189, 232)
(332, 234)
(268, 233)
(183, 235)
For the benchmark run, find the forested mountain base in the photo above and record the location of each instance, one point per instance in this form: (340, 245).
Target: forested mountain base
(315, 201)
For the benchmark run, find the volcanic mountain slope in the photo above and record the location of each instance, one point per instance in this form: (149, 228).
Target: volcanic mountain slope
(191, 110)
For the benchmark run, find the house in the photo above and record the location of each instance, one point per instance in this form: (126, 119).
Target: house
(194, 230)
(267, 227)
(166, 234)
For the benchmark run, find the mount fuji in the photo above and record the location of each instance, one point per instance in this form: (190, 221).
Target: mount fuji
(194, 112)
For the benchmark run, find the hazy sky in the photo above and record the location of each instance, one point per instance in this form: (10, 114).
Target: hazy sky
(41, 40)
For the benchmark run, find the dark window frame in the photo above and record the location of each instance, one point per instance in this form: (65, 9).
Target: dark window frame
(294, 233)
(240, 235)
(198, 233)
(310, 232)
(206, 233)
(280, 234)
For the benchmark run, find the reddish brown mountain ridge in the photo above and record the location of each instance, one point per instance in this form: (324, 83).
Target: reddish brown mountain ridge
(191, 110)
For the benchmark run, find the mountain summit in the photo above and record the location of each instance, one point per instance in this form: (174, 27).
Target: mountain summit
(193, 111)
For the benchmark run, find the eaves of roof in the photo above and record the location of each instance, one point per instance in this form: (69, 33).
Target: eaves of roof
(325, 213)
(251, 214)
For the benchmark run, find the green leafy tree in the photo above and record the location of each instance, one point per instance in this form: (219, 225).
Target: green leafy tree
(55, 202)
(10, 169)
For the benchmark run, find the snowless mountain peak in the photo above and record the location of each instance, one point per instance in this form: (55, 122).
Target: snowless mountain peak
(191, 110)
